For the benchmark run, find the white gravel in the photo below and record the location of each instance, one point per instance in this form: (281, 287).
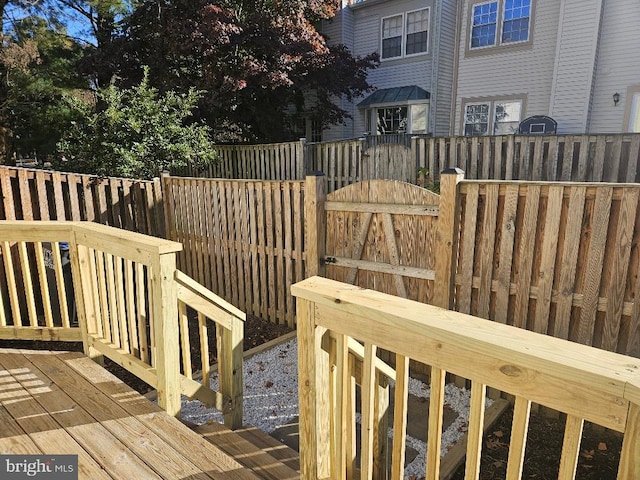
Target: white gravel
(271, 400)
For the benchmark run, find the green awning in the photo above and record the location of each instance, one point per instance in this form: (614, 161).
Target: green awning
(395, 95)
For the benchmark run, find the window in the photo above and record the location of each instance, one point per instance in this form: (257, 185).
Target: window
(397, 119)
(634, 114)
(510, 17)
(392, 37)
(492, 117)
(485, 21)
(392, 120)
(417, 29)
(405, 34)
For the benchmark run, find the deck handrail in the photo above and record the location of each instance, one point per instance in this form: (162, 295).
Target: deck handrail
(131, 306)
(584, 382)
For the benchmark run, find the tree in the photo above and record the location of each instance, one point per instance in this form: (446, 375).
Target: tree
(139, 133)
(41, 61)
(261, 65)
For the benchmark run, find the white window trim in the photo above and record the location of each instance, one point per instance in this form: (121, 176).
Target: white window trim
(491, 127)
(499, 27)
(403, 44)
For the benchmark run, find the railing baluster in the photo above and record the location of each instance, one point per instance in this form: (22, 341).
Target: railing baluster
(11, 284)
(368, 417)
(121, 302)
(27, 283)
(340, 401)
(185, 345)
(474, 435)
(44, 285)
(520, 426)
(434, 437)
(571, 448)
(204, 349)
(60, 285)
(131, 308)
(400, 417)
(113, 302)
(142, 312)
(103, 301)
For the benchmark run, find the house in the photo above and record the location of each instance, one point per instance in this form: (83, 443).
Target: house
(415, 40)
(576, 61)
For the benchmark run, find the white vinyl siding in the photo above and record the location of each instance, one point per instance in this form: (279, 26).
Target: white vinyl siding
(576, 59)
(618, 67)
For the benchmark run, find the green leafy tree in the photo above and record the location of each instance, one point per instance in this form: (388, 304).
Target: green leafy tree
(138, 133)
(41, 60)
(262, 65)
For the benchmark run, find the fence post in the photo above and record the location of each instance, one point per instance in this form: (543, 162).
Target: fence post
(164, 305)
(315, 223)
(446, 237)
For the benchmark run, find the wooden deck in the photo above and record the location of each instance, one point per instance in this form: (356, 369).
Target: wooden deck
(64, 403)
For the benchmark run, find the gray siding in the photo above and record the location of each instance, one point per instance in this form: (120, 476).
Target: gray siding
(443, 67)
(618, 65)
(526, 73)
(575, 59)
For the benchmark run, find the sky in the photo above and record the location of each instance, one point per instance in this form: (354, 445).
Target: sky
(77, 25)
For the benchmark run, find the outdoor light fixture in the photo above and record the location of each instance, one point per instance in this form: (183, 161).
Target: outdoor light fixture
(616, 99)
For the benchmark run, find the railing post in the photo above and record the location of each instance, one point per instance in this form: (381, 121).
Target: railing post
(315, 223)
(630, 455)
(164, 302)
(446, 243)
(230, 370)
(313, 391)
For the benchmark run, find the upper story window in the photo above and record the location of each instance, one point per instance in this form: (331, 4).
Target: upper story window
(501, 22)
(405, 34)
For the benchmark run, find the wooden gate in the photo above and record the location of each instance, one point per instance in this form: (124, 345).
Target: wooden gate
(388, 160)
(382, 237)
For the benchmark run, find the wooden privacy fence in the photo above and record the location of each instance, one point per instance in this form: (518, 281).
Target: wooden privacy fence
(567, 158)
(556, 258)
(585, 383)
(577, 158)
(276, 161)
(30, 194)
(242, 239)
(131, 307)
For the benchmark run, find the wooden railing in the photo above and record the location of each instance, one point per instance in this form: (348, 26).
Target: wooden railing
(585, 383)
(127, 295)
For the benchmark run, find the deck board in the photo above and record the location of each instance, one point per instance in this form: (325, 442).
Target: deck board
(61, 402)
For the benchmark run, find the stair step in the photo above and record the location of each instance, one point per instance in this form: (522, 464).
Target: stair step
(254, 449)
